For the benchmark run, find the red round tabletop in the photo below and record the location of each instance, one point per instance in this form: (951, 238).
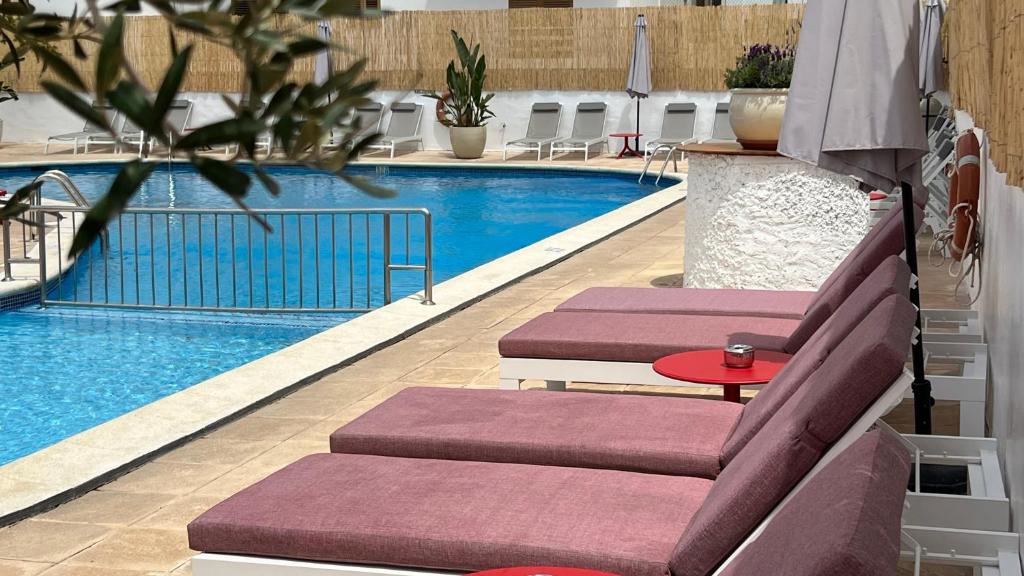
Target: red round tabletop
(541, 571)
(626, 149)
(626, 135)
(708, 367)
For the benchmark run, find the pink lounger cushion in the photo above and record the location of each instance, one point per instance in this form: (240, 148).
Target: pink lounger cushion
(882, 241)
(846, 521)
(679, 436)
(449, 515)
(709, 302)
(616, 337)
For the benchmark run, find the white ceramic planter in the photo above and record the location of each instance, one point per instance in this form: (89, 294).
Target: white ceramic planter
(468, 142)
(756, 116)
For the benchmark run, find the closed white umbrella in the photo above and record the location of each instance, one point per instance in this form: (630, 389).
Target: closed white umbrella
(638, 84)
(853, 108)
(323, 67)
(931, 76)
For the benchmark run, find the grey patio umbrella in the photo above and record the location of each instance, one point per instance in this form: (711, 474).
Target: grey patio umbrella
(638, 84)
(853, 108)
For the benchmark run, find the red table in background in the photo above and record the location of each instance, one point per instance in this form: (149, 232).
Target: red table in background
(625, 144)
(708, 367)
(541, 571)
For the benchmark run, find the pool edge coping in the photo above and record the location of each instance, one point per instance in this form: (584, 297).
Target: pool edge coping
(48, 477)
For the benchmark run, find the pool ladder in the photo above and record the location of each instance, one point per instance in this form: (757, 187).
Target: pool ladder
(671, 149)
(36, 200)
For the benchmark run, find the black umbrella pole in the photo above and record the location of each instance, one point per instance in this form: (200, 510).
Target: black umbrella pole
(921, 387)
(636, 142)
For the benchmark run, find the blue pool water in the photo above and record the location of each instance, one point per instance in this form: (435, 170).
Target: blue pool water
(76, 368)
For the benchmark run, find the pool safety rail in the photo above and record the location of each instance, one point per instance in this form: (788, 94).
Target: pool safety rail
(273, 260)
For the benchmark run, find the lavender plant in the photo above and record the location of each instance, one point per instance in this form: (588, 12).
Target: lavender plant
(762, 66)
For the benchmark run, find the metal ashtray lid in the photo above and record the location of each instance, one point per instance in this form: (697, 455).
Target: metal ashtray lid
(739, 355)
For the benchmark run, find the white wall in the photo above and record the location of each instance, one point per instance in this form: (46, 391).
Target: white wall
(37, 116)
(1002, 309)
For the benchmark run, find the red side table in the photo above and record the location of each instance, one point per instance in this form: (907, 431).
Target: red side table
(708, 367)
(626, 149)
(541, 571)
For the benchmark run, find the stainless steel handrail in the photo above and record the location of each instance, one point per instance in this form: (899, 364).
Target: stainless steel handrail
(238, 254)
(671, 156)
(36, 199)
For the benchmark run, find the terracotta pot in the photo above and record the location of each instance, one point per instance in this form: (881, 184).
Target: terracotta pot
(468, 142)
(756, 116)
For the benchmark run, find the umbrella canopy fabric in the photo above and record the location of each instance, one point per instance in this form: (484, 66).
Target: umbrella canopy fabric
(853, 105)
(323, 67)
(638, 85)
(931, 76)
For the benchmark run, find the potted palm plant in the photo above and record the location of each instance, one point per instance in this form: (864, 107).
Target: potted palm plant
(463, 108)
(759, 85)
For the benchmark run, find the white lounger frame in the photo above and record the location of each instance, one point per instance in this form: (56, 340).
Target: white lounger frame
(988, 553)
(969, 389)
(948, 450)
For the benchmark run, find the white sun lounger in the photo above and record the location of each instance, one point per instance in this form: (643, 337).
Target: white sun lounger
(178, 115)
(89, 132)
(676, 127)
(587, 131)
(403, 128)
(540, 132)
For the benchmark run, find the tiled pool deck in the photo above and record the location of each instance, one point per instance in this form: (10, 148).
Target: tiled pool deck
(136, 524)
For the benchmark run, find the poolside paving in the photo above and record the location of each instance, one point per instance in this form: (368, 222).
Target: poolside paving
(135, 525)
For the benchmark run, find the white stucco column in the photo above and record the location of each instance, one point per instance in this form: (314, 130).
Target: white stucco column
(755, 219)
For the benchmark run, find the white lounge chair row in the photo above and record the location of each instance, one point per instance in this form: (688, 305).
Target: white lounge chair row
(128, 133)
(677, 127)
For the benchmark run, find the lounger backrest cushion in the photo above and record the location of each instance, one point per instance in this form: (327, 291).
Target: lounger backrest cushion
(589, 121)
(891, 277)
(679, 121)
(884, 240)
(544, 121)
(722, 129)
(367, 118)
(108, 112)
(179, 114)
(405, 120)
(853, 377)
(845, 521)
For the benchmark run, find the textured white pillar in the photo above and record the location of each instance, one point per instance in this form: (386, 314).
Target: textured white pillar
(767, 222)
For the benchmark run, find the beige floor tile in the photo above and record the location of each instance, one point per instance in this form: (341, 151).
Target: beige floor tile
(80, 570)
(440, 375)
(178, 513)
(39, 541)
(254, 428)
(290, 407)
(261, 467)
(20, 568)
(167, 478)
(115, 508)
(143, 549)
(220, 452)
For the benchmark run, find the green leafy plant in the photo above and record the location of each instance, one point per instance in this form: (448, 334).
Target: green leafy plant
(465, 104)
(300, 117)
(762, 66)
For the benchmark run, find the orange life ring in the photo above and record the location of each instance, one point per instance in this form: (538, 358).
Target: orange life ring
(439, 109)
(964, 190)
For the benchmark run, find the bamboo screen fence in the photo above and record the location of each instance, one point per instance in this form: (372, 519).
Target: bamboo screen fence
(526, 49)
(985, 49)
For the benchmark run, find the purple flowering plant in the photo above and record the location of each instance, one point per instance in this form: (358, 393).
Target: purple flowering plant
(762, 66)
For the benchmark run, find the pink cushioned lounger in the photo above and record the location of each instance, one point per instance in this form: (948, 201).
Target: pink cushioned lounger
(622, 337)
(881, 242)
(468, 516)
(678, 436)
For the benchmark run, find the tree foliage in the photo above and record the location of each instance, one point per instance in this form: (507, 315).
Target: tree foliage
(301, 119)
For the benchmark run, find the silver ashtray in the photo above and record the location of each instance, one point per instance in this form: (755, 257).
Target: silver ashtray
(739, 356)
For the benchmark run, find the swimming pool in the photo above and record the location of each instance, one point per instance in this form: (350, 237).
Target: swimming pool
(88, 366)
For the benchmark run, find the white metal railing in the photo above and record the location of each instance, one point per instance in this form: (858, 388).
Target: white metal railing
(298, 260)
